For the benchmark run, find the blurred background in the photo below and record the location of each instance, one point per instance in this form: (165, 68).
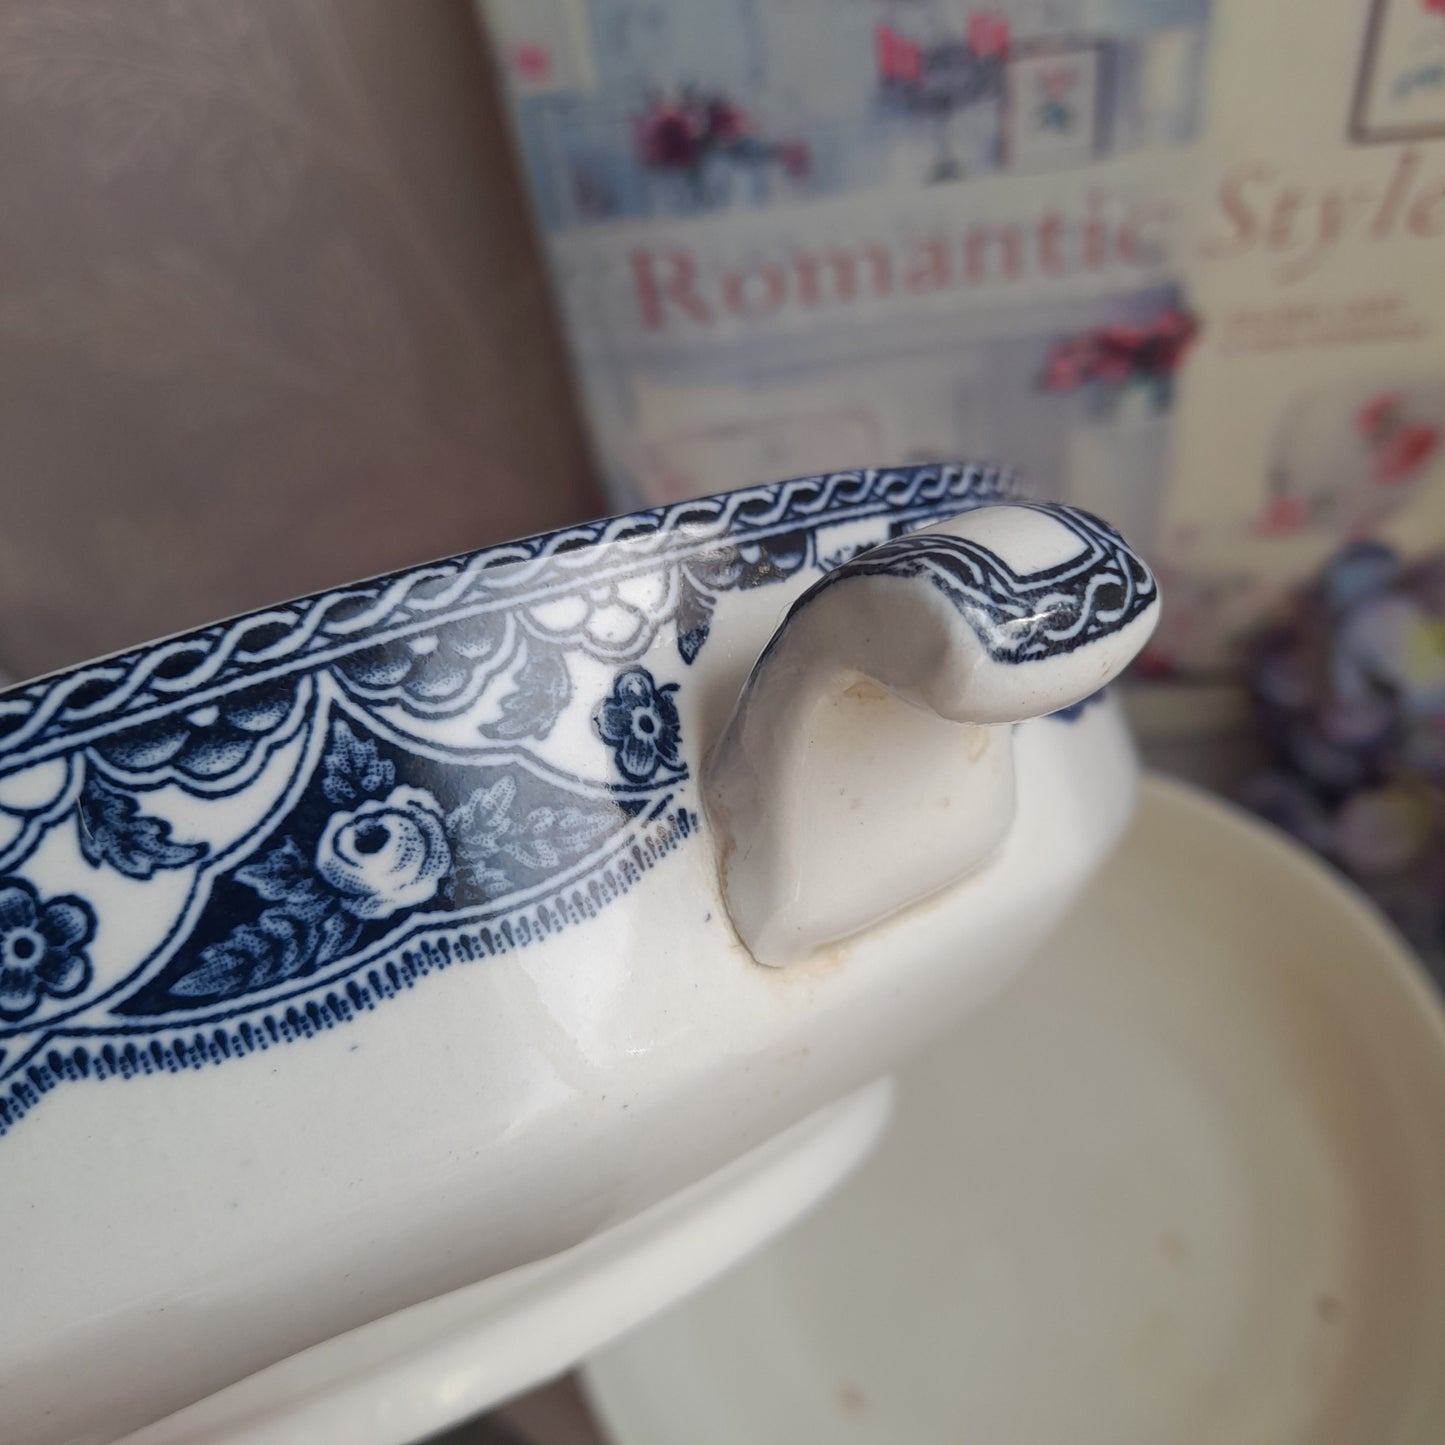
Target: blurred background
(295, 291)
(271, 313)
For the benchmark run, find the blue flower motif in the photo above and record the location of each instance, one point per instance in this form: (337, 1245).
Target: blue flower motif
(41, 947)
(639, 722)
(390, 854)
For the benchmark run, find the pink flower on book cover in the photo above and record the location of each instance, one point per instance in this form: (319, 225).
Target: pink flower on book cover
(1283, 516)
(897, 58)
(682, 133)
(1405, 453)
(669, 137)
(936, 73)
(1399, 445)
(1112, 359)
(1378, 415)
(1117, 350)
(988, 33)
(726, 123)
(1068, 365)
(532, 61)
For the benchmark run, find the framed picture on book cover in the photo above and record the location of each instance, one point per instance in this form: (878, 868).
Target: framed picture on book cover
(1053, 105)
(1400, 92)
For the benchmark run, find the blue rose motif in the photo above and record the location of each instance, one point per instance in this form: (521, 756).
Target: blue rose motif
(389, 854)
(41, 947)
(639, 722)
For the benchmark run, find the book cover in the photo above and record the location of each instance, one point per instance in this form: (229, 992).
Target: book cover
(1176, 261)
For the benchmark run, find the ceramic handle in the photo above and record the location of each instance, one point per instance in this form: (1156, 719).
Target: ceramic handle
(868, 763)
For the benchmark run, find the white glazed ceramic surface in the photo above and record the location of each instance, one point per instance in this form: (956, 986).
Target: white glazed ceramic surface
(365, 949)
(1182, 1183)
(405, 1376)
(869, 762)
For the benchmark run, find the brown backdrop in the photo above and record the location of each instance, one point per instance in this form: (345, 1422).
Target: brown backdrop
(271, 314)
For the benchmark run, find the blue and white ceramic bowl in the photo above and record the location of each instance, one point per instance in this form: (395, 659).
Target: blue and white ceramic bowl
(362, 950)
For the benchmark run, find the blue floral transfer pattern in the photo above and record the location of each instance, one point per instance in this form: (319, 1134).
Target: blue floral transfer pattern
(391, 853)
(1100, 588)
(42, 947)
(639, 723)
(270, 825)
